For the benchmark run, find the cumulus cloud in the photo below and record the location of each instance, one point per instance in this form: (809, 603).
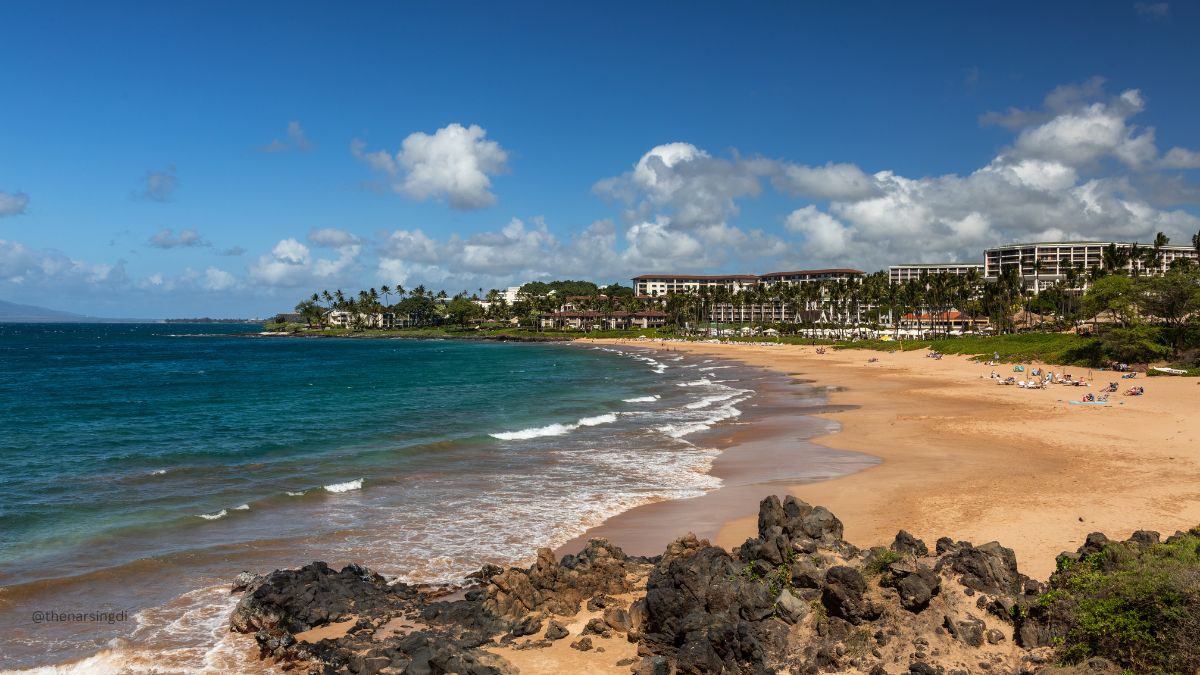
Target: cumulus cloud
(218, 279)
(331, 237)
(832, 181)
(296, 140)
(159, 186)
(521, 251)
(187, 238)
(686, 183)
(26, 267)
(291, 264)
(13, 203)
(1180, 158)
(455, 163)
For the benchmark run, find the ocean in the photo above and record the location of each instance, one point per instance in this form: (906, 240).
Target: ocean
(143, 466)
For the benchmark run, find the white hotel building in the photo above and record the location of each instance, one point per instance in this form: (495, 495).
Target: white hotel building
(661, 285)
(898, 274)
(1042, 264)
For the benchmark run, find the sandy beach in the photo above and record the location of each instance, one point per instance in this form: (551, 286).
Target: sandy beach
(961, 457)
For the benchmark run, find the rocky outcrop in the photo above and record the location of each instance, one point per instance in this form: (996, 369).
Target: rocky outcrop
(796, 598)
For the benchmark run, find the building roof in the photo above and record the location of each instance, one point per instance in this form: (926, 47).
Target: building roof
(1086, 243)
(695, 276)
(946, 264)
(833, 270)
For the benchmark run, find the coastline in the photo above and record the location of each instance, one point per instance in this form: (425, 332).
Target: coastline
(963, 458)
(769, 449)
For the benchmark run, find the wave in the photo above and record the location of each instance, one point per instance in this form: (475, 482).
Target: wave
(295, 494)
(243, 507)
(555, 429)
(345, 487)
(158, 472)
(695, 383)
(709, 400)
(715, 367)
(642, 399)
(607, 418)
(213, 516)
(534, 432)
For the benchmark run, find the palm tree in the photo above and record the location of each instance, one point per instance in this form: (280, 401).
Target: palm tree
(386, 291)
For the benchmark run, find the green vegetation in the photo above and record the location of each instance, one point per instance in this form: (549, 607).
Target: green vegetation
(1136, 606)
(1058, 348)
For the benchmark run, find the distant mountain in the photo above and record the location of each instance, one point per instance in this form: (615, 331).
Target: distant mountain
(14, 313)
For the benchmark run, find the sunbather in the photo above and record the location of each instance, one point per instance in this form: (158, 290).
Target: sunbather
(1135, 391)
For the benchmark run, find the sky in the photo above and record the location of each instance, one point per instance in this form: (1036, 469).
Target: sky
(228, 159)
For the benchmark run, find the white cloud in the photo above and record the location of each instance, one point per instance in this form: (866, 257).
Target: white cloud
(825, 237)
(187, 238)
(455, 163)
(832, 181)
(331, 237)
(13, 203)
(23, 266)
(1176, 158)
(290, 264)
(160, 185)
(217, 279)
(686, 183)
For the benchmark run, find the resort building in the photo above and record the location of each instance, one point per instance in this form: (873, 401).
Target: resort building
(342, 319)
(811, 310)
(662, 284)
(898, 274)
(593, 320)
(1042, 264)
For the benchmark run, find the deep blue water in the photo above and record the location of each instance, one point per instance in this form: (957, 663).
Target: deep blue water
(177, 455)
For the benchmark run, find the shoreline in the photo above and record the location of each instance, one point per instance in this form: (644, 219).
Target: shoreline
(769, 449)
(963, 458)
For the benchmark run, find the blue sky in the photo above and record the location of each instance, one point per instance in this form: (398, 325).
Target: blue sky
(180, 159)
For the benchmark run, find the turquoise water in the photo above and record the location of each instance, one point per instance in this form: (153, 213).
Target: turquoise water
(145, 465)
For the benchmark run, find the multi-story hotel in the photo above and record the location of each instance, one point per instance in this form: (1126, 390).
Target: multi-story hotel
(1042, 264)
(818, 310)
(898, 274)
(662, 284)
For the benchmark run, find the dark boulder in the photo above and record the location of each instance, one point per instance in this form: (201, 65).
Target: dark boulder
(905, 543)
(843, 595)
(988, 568)
(917, 588)
(556, 631)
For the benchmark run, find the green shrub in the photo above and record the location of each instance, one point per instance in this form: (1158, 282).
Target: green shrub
(1139, 608)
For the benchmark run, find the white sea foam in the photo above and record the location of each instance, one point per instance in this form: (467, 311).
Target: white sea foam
(715, 367)
(642, 399)
(213, 516)
(534, 432)
(694, 383)
(709, 400)
(345, 487)
(295, 494)
(243, 507)
(158, 472)
(607, 418)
